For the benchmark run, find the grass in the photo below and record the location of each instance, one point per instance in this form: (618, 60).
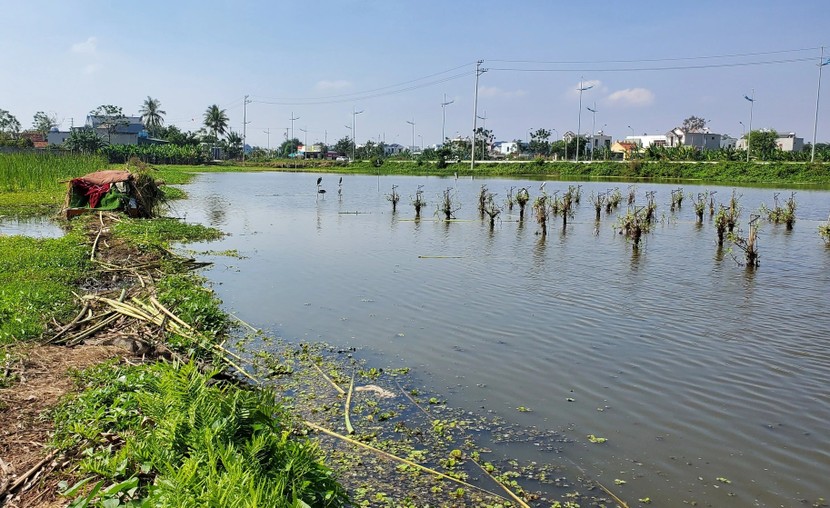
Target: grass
(37, 282)
(160, 233)
(44, 171)
(184, 439)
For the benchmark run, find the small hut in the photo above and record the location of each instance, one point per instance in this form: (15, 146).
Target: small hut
(113, 190)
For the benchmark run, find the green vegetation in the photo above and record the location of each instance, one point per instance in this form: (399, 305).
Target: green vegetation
(44, 171)
(38, 278)
(160, 233)
(182, 439)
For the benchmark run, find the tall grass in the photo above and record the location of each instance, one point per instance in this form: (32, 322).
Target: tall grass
(33, 171)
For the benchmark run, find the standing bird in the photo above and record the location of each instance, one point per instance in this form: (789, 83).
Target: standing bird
(340, 187)
(319, 190)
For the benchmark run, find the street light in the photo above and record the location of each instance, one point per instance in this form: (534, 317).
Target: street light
(412, 146)
(421, 140)
(582, 88)
(821, 64)
(292, 128)
(749, 133)
(354, 133)
(632, 131)
(305, 143)
(593, 129)
(444, 116)
(563, 138)
(743, 128)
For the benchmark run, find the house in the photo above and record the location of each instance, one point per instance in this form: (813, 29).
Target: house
(702, 140)
(786, 143)
(626, 148)
(505, 147)
(728, 142)
(646, 140)
(392, 149)
(599, 140)
(314, 151)
(37, 138)
(790, 143)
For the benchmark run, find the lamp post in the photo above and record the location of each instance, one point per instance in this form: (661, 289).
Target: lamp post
(355, 112)
(268, 133)
(483, 128)
(743, 128)
(582, 88)
(412, 146)
(421, 142)
(292, 129)
(444, 117)
(749, 132)
(479, 72)
(557, 135)
(593, 129)
(632, 131)
(305, 143)
(821, 64)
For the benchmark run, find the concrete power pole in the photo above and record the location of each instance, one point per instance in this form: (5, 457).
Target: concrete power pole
(479, 72)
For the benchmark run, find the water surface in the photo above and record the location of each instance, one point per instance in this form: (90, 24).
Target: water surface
(692, 366)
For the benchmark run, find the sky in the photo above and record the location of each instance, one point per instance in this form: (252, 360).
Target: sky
(645, 65)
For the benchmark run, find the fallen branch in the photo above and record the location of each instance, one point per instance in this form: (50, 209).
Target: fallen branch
(28, 474)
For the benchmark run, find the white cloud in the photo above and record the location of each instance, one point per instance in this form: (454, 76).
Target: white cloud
(332, 85)
(494, 91)
(91, 68)
(88, 47)
(632, 97)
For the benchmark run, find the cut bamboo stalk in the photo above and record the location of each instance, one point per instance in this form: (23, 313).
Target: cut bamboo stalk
(349, 427)
(335, 385)
(403, 461)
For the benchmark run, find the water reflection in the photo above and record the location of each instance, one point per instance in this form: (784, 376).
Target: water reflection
(671, 339)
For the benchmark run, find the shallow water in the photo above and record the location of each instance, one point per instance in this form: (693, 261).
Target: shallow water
(693, 367)
(35, 227)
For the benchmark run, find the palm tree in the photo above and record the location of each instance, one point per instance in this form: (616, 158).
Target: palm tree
(152, 116)
(216, 120)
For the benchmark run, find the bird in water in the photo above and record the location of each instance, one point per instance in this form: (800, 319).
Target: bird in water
(319, 190)
(340, 186)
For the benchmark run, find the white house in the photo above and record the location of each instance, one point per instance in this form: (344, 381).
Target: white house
(727, 141)
(506, 147)
(599, 140)
(703, 140)
(646, 140)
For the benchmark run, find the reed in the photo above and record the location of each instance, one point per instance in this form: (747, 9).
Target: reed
(511, 199)
(44, 171)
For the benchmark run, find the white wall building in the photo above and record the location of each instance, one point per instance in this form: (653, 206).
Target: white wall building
(646, 140)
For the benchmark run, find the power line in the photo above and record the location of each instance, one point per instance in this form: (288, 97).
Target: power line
(643, 60)
(311, 102)
(664, 68)
(353, 94)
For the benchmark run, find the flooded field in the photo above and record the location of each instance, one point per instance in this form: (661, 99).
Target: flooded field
(711, 382)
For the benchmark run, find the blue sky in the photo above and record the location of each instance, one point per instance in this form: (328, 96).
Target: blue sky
(651, 64)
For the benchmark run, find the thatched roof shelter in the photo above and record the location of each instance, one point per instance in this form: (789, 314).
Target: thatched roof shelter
(137, 194)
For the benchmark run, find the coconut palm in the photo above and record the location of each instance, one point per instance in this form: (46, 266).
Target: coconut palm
(152, 116)
(216, 120)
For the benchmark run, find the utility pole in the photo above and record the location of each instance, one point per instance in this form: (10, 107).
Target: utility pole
(479, 72)
(444, 117)
(821, 63)
(582, 88)
(245, 103)
(305, 143)
(749, 132)
(268, 133)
